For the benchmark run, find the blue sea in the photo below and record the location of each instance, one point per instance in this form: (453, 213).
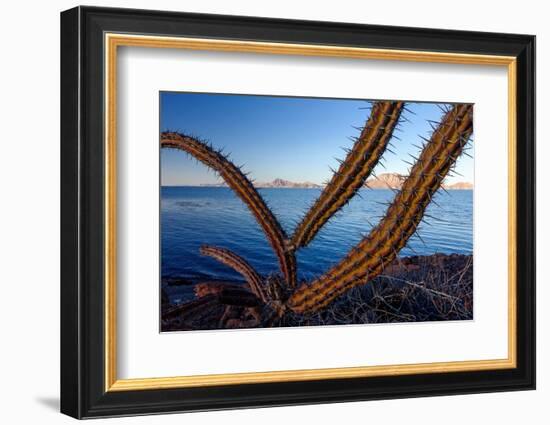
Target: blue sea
(192, 216)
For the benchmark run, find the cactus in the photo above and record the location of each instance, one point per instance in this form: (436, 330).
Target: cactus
(240, 265)
(366, 260)
(374, 252)
(353, 171)
(244, 189)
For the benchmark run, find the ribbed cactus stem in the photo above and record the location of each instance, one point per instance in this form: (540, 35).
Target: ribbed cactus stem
(353, 171)
(244, 189)
(369, 258)
(240, 265)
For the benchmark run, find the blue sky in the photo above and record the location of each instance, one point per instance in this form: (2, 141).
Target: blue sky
(292, 138)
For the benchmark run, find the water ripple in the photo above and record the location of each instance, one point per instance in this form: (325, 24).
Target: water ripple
(192, 216)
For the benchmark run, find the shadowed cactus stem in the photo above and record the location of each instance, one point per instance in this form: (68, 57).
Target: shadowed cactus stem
(238, 264)
(244, 189)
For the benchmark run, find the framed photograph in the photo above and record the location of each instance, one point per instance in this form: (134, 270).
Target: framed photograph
(261, 212)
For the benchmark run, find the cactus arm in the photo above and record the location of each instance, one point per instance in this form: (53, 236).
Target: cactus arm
(368, 259)
(353, 171)
(244, 189)
(238, 264)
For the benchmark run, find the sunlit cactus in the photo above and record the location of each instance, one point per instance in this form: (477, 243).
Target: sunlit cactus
(377, 250)
(244, 189)
(277, 294)
(353, 171)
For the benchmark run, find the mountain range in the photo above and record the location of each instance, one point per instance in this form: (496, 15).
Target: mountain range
(277, 183)
(395, 181)
(382, 181)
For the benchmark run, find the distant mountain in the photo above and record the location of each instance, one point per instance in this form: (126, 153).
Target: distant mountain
(382, 181)
(395, 181)
(459, 186)
(277, 183)
(287, 184)
(386, 181)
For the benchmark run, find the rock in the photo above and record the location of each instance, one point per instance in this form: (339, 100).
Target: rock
(212, 288)
(176, 281)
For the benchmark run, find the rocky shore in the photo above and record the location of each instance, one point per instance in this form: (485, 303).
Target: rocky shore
(412, 289)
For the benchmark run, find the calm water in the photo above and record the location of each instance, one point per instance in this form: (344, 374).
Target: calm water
(192, 216)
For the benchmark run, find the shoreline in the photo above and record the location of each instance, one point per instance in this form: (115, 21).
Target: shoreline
(433, 287)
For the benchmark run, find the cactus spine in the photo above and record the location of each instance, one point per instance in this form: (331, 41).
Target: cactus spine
(238, 264)
(353, 171)
(366, 260)
(244, 189)
(374, 252)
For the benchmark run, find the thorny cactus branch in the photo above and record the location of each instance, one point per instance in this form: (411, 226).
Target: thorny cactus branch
(244, 189)
(353, 171)
(238, 264)
(368, 259)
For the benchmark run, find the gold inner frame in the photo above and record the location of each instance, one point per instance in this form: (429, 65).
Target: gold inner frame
(113, 41)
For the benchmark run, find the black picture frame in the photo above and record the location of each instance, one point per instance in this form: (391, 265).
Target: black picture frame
(83, 392)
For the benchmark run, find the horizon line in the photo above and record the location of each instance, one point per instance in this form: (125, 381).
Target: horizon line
(224, 185)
